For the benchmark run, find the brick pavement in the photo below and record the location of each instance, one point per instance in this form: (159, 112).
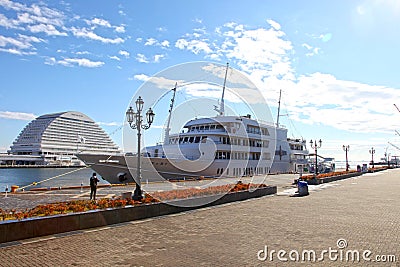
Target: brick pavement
(365, 211)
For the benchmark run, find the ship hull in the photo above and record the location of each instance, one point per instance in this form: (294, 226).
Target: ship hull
(120, 169)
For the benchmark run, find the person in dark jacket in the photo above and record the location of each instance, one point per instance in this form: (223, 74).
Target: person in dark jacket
(93, 186)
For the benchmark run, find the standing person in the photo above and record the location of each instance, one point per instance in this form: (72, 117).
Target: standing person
(93, 186)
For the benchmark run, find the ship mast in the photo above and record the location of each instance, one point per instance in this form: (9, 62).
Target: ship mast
(221, 109)
(171, 106)
(279, 108)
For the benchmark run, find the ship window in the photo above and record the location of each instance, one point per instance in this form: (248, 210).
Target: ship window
(207, 127)
(204, 139)
(185, 140)
(197, 139)
(202, 128)
(191, 139)
(227, 171)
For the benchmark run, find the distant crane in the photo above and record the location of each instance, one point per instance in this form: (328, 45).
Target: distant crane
(396, 108)
(394, 145)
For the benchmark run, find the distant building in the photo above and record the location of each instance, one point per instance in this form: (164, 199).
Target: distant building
(55, 139)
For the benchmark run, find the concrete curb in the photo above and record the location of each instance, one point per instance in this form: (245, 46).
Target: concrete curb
(13, 230)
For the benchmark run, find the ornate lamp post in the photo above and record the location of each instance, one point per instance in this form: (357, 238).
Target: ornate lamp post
(372, 152)
(315, 146)
(387, 157)
(346, 149)
(135, 120)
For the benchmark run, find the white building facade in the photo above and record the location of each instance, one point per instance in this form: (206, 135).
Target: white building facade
(57, 138)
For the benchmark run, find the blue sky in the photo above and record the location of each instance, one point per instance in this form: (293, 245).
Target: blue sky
(337, 64)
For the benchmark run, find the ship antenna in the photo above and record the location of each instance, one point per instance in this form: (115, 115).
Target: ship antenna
(279, 108)
(221, 109)
(171, 106)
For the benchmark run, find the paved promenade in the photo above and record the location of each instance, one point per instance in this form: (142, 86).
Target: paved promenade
(362, 212)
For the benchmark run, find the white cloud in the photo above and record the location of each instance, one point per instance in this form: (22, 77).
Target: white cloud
(8, 23)
(157, 58)
(104, 23)
(17, 115)
(99, 22)
(85, 33)
(83, 62)
(141, 58)
(82, 53)
(120, 29)
(323, 99)
(9, 41)
(22, 45)
(154, 59)
(150, 41)
(159, 82)
(70, 62)
(312, 50)
(115, 58)
(141, 77)
(16, 51)
(195, 46)
(47, 29)
(274, 24)
(154, 42)
(266, 54)
(325, 37)
(165, 43)
(124, 53)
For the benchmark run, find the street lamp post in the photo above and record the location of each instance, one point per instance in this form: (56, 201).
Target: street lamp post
(346, 149)
(135, 120)
(372, 152)
(315, 146)
(387, 157)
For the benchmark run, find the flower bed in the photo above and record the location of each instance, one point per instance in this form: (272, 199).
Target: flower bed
(86, 205)
(326, 175)
(341, 173)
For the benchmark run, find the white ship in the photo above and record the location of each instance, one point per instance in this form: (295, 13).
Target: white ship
(211, 147)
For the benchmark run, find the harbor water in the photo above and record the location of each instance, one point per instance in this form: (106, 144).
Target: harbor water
(45, 177)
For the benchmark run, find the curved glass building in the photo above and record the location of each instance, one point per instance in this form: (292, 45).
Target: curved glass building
(56, 138)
